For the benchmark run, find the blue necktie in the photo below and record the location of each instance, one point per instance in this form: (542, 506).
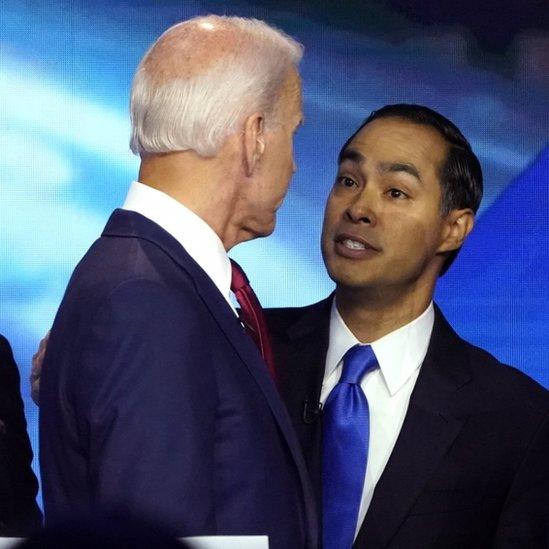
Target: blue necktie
(345, 437)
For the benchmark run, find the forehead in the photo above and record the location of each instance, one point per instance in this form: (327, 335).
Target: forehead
(290, 94)
(400, 140)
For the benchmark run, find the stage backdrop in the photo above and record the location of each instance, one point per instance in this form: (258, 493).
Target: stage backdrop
(65, 73)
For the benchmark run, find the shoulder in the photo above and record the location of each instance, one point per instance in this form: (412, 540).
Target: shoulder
(5, 349)
(282, 319)
(114, 257)
(132, 272)
(506, 383)
(7, 362)
(139, 292)
(154, 308)
(493, 385)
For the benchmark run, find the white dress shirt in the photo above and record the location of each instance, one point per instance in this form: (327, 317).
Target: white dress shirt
(192, 232)
(387, 388)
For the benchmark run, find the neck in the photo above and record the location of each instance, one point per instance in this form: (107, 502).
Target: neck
(372, 315)
(207, 186)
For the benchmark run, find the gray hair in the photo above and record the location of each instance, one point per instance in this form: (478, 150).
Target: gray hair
(198, 111)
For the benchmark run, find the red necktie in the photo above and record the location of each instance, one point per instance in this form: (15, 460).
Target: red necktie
(251, 314)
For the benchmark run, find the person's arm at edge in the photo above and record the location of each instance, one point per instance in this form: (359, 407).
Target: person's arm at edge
(18, 485)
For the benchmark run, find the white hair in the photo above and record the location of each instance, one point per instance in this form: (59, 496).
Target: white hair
(199, 112)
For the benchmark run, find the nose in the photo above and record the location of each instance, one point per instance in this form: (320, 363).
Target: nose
(362, 208)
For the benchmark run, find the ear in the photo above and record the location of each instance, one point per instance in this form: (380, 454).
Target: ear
(254, 141)
(457, 225)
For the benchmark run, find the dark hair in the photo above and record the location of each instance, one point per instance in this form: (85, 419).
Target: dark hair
(460, 175)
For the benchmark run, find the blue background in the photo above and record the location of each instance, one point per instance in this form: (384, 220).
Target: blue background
(65, 72)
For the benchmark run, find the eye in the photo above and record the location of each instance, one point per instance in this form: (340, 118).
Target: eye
(397, 193)
(345, 181)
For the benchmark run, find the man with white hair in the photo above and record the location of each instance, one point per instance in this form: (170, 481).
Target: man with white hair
(154, 398)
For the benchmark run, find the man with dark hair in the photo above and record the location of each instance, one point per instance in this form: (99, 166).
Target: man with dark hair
(414, 438)
(460, 175)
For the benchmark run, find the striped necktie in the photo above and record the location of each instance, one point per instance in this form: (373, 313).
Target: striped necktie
(251, 315)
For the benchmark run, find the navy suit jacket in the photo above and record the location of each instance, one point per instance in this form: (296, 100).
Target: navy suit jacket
(154, 400)
(470, 468)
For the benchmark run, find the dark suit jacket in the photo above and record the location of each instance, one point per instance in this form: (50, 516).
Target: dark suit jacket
(19, 513)
(471, 465)
(155, 401)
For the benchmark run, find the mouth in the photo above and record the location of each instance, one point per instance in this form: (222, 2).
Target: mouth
(354, 247)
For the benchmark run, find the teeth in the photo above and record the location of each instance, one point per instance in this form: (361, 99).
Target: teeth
(353, 244)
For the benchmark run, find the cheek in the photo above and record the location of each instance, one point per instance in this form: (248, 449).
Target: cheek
(283, 162)
(289, 158)
(414, 236)
(332, 217)
(329, 215)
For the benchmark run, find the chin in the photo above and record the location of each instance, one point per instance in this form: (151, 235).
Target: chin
(261, 232)
(349, 277)
(268, 228)
(260, 227)
(338, 275)
(267, 232)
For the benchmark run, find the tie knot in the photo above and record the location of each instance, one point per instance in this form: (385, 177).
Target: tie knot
(358, 360)
(238, 277)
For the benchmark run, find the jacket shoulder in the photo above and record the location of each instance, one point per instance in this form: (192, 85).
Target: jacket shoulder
(505, 383)
(281, 319)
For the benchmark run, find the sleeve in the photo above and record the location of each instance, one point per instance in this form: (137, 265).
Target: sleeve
(19, 513)
(146, 402)
(524, 521)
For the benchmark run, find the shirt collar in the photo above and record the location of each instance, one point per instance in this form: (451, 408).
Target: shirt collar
(398, 353)
(191, 231)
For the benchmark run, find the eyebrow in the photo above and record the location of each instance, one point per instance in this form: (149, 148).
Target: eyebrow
(357, 157)
(400, 167)
(352, 155)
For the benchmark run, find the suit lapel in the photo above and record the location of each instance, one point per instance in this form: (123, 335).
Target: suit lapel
(301, 356)
(427, 432)
(130, 224)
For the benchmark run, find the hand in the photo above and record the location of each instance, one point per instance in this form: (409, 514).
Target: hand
(37, 360)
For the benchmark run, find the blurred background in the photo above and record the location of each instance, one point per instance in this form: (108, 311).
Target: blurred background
(65, 73)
